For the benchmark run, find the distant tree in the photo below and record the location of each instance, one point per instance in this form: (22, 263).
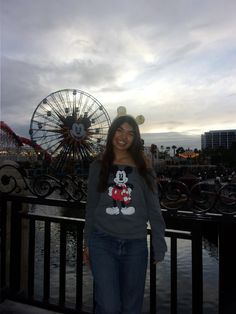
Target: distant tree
(167, 149)
(154, 158)
(174, 148)
(161, 152)
(180, 150)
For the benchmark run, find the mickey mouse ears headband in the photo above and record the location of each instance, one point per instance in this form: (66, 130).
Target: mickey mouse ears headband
(121, 111)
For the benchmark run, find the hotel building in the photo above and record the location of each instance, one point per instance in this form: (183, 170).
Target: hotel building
(218, 138)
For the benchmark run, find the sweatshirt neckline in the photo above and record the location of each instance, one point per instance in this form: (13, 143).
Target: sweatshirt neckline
(123, 165)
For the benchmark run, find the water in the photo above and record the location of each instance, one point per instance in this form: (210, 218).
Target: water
(184, 282)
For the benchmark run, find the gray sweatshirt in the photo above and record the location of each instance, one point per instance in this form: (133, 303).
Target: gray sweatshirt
(126, 206)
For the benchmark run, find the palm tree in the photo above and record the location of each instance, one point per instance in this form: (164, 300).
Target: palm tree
(167, 151)
(167, 148)
(161, 154)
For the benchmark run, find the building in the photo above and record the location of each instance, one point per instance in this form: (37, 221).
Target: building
(218, 138)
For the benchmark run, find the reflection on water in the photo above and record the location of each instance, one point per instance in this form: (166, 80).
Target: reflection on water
(184, 283)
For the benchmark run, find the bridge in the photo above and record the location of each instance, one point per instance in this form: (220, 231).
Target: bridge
(188, 213)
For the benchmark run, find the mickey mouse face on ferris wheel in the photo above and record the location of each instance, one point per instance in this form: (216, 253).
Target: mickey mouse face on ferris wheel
(78, 131)
(79, 128)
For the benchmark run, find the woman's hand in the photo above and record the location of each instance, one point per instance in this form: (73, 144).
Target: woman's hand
(86, 256)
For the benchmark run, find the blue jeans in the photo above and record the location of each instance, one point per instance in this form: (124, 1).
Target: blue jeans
(119, 272)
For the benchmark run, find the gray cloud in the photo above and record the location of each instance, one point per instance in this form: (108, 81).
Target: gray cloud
(174, 62)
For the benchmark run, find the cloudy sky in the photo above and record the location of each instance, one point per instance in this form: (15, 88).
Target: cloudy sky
(172, 61)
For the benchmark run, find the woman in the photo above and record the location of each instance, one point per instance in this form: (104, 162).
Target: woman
(122, 197)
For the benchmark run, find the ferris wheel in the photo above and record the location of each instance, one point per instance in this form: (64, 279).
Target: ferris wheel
(70, 125)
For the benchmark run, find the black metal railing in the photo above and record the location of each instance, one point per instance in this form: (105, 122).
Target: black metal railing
(187, 213)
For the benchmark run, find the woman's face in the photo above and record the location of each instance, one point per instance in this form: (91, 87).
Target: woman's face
(123, 137)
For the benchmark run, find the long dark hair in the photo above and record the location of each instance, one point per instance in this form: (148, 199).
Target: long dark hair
(135, 150)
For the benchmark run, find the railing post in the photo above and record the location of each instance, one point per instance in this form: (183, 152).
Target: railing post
(24, 254)
(46, 275)
(197, 270)
(3, 249)
(31, 259)
(153, 285)
(15, 247)
(227, 268)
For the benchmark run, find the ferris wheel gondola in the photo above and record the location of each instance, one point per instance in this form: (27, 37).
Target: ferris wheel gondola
(69, 124)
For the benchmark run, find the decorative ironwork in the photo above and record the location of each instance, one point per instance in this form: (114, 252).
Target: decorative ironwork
(15, 180)
(202, 197)
(175, 196)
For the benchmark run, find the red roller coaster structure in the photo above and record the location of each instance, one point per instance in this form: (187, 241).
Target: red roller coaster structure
(11, 143)
(8, 138)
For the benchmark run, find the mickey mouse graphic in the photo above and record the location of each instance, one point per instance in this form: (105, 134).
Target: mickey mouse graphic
(120, 191)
